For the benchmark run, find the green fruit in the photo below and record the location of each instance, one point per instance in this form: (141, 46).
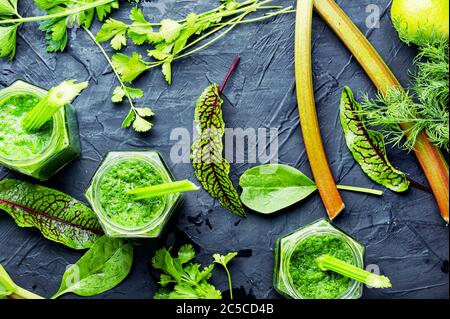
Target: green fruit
(417, 21)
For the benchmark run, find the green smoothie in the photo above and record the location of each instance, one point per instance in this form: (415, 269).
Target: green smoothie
(120, 207)
(308, 279)
(15, 143)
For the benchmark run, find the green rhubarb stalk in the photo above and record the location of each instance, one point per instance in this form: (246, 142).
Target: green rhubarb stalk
(326, 262)
(57, 97)
(14, 291)
(163, 189)
(360, 190)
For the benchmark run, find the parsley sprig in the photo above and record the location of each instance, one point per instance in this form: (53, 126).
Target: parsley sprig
(170, 40)
(183, 279)
(60, 16)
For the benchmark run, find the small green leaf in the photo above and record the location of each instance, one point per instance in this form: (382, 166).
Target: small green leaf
(114, 30)
(105, 265)
(158, 55)
(119, 93)
(129, 119)
(170, 30)
(368, 147)
(272, 187)
(167, 71)
(129, 68)
(144, 111)
(8, 38)
(8, 7)
(224, 260)
(141, 125)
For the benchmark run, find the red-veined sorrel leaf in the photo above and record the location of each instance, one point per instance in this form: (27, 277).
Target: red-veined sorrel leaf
(58, 216)
(368, 146)
(210, 167)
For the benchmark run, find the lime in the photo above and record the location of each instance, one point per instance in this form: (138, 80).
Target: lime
(418, 20)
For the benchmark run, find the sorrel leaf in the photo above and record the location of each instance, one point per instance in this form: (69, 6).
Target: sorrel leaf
(273, 187)
(210, 167)
(58, 216)
(104, 266)
(368, 147)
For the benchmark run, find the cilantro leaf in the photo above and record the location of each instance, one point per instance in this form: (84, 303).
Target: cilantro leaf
(141, 125)
(170, 30)
(185, 278)
(119, 93)
(129, 68)
(8, 7)
(8, 38)
(144, 111)
(129, 119)
(114, 30)
(167, 70)
(224, 260)
(140, 31)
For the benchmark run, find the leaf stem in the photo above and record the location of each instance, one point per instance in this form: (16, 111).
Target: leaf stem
(326, 262)
(230, 71)
(108, 59)
(230, 285)
(21, 293)
(360, 190)
(61, 14)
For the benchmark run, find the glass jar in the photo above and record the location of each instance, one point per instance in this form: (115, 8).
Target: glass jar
(64, 144)
(287, 244)
(156, 225)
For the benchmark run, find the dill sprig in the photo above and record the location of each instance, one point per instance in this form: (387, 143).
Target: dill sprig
(426, 108)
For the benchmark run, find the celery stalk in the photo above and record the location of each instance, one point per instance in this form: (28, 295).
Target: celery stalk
(326, 262)
(163, 189)
(57, 97)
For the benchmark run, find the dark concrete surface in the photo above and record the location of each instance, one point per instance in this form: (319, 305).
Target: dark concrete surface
(404, 234)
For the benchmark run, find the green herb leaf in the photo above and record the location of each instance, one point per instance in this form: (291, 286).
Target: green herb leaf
(209, 165)
(144, 111)
(58, 216)
(273, 187)
(119, 93)
(368, 146)
(103, 267)
(224, 260)
(79, 13)
(181, 278)
(141, 125)
(170, 30)
(8, 38)
(129, 68)
(8, 7)
(114, 30)
(167, 70)
(129, 119)
(140, 30)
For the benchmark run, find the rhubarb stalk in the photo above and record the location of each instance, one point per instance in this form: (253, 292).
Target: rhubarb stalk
(326, 185)
(430, 158)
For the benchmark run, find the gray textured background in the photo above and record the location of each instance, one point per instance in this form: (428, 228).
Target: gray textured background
(404, 234)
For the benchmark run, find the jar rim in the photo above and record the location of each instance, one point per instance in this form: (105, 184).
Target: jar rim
(57, 120)
(314, 231)
(96, 182)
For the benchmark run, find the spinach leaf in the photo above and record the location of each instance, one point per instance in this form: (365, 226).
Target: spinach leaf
(272, 187)
(104, 266)
(58, 216)
(368, 147)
